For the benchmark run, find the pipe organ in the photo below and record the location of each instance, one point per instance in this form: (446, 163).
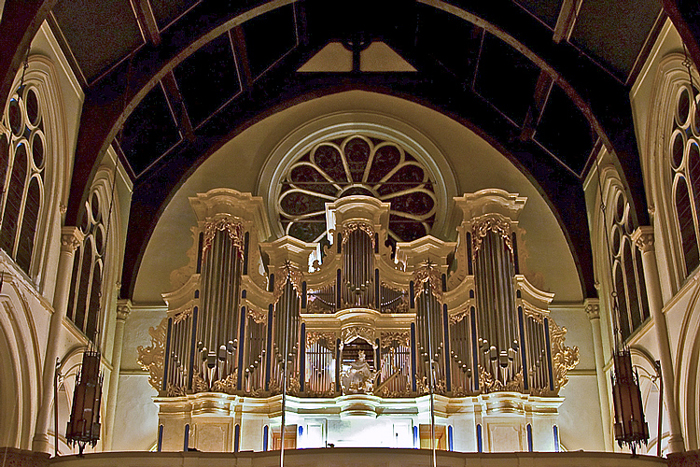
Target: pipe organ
(367, 332)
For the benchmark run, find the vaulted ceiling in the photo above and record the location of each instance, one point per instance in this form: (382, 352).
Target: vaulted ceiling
(546, 82)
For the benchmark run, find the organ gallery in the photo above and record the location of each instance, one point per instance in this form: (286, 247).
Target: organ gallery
(360, 339)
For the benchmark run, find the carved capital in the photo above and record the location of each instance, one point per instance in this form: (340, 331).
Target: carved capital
(643, 238)
(593, 311)
(71, 239)
(123, 309)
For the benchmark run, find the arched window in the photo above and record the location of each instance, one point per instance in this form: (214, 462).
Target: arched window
(86, 282)
(628, 275)
(22, 162)
(684, 159)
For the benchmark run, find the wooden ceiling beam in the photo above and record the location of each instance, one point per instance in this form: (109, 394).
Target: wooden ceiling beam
(539, 100)
(240, 55)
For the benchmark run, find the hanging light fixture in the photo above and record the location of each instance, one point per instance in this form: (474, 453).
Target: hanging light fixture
(631, 429)
(84, 423)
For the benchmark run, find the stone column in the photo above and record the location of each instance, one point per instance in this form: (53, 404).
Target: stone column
(592, 307)
(71, 239)
(123, 310)
(644, 240)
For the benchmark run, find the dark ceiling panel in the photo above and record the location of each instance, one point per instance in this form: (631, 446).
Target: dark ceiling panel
(149, 131)
(545, 10)
(166, 11)
(268, 37)
(565, 131)
(614, 32)
(506, 78)
(98, 33)
(452, 41)
(208, 78)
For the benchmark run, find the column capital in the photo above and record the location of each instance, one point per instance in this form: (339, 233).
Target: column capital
(124, 306)
(592, 308)
(71, 238)
(643, 238)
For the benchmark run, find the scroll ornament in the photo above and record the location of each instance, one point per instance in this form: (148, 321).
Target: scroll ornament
(563, 358)
(491, 384)
(327, 339)
(391, 339)
(429, 276)
(259, 316)
(152, 358)
(234, 230)
(365, 332)
(490, 223)
(290, 274)
(349, 227)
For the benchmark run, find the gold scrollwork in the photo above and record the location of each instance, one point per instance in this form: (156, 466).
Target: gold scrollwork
(459, 316)
(490, 223)
(234, 230)
(327, 339)
(491, 384)
(175, 391)
(349, 227)
(198, 383)
(183, 315)
(292, 275)
(563, 358)
(365, 332)
(152, 358)
(395, 339)
(428, 275)
(259, 316)
(227, 385)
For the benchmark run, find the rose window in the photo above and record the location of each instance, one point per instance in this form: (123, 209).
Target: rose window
(357, 165)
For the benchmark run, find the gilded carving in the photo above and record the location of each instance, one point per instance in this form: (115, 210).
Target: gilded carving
(292, 275)
(428, 275)
(395, 339)
(490, 223)
(198, 383)
(227, 385)
(152, 358)
(563, 358)
(183, 315)
(459, 316)
(175, 391)
(259, 316)
(327, 339)
(365, 332)
(234, 230)
(491, 384)
(349, 227)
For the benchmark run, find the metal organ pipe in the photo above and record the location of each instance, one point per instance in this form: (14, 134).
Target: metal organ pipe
(358, 269)
(497, 314)
(219, 314)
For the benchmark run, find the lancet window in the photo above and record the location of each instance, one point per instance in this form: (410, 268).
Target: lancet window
(22, 171)
(684, 152)
(88, 265)
(628, 275)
